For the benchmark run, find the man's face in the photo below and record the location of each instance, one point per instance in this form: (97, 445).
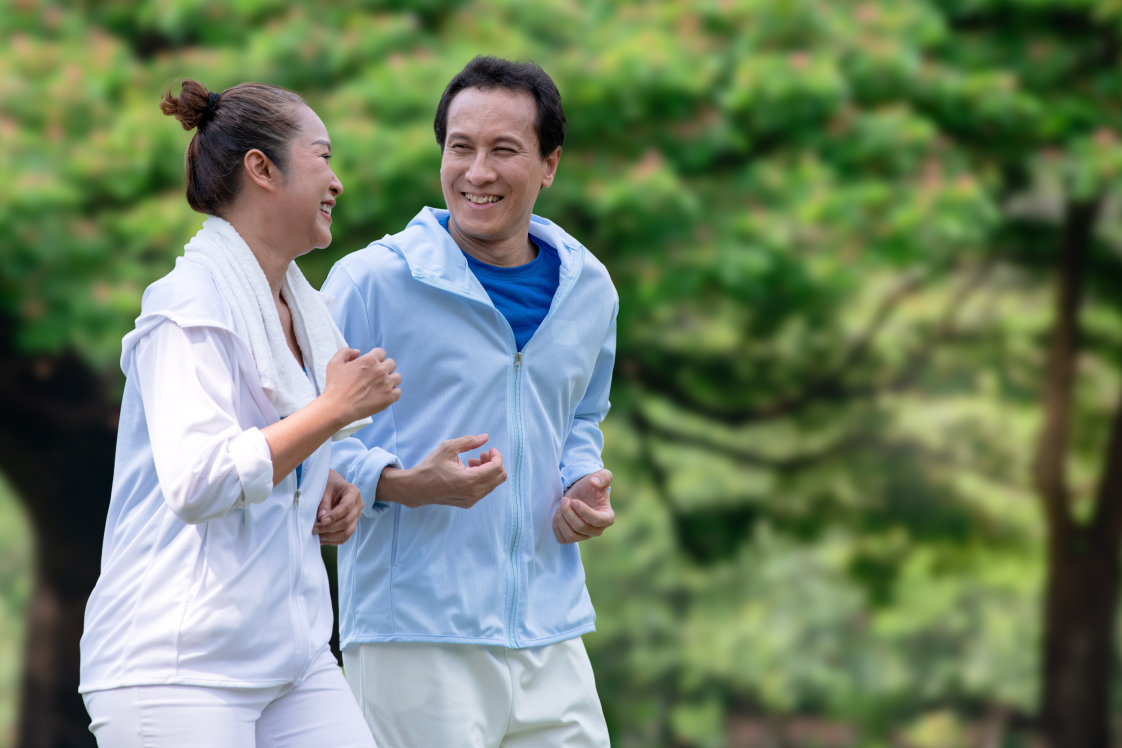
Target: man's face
(492, 168)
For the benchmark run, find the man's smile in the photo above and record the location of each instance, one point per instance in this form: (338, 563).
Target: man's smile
(477, 199)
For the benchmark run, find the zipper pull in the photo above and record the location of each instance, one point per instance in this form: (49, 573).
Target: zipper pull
(296, 498)
(518, 360)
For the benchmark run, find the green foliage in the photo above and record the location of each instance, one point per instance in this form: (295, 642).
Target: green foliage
(15, 592)
(826, 221)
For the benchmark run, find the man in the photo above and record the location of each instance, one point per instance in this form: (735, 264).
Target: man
(462, 595)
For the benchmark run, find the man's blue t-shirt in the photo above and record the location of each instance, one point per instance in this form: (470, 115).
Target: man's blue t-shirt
(522, 294)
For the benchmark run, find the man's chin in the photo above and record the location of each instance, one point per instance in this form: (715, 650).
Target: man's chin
(480, 228)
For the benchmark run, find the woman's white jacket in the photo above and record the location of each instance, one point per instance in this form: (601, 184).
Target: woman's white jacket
(210, 575)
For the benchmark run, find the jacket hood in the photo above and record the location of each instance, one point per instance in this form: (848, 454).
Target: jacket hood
(187, 296)
(435, 258)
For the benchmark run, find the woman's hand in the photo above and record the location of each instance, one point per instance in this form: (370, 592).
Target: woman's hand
(357, 387)
(360, 386)
(339, 511)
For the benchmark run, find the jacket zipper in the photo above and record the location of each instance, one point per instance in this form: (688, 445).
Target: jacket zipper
(516, 493)
(301, 617)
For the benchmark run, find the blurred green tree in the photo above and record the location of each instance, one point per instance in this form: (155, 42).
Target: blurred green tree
(819, 216)
(1055, 178)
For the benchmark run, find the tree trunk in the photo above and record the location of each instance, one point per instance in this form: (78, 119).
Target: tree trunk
(1080, 602)
(58, 432)
(1081, 592)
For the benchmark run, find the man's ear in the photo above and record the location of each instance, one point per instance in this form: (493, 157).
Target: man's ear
(260, 170)
(550, 171)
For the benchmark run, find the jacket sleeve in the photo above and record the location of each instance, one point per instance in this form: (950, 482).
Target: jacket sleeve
(585, 442)
(361, 458)
(206, 462)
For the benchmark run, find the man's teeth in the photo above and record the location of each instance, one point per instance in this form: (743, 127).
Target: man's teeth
(325, 208)
(481, 199)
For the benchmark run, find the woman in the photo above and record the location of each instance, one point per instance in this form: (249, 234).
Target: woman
(210, 621)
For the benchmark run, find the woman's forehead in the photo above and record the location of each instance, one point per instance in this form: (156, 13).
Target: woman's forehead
(311, 126)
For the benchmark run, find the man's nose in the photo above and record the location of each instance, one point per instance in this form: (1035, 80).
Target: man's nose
(480, 171)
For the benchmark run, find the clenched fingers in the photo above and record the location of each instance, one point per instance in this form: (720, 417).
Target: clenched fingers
(339, 521)
(338, 538)
(345, 355)
(597, 518)
(490, 472)
(563, 531)
(484, 457)
(568, 510)
(337, 524)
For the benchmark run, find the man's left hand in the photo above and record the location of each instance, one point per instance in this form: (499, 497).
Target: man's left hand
(339, 510)
(586, 509)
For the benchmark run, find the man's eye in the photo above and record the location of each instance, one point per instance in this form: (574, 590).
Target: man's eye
(328, 157)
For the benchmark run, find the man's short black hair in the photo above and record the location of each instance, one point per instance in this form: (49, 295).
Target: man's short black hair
(494, 72)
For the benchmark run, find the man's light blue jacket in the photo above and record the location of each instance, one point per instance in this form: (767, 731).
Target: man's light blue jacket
(493, 574)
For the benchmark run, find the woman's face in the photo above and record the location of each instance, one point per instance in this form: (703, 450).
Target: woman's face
(307, 196)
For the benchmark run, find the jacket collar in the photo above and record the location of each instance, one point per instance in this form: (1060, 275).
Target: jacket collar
(435, 259)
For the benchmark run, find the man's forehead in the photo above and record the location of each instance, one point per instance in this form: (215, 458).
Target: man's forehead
(493, 107)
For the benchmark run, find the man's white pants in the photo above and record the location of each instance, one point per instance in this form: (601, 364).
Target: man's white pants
(422, 695)
(318, 711)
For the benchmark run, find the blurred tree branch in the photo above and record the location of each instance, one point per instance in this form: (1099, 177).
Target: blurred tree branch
(839, 385)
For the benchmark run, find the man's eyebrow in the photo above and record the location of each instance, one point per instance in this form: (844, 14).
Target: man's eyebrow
(500, 139)
(323, 142)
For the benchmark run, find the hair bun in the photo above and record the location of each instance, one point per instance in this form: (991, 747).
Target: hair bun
(194, 101)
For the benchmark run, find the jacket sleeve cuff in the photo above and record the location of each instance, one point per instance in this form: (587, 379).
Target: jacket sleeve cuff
(570, 474)
(365, 473)
(254, 462)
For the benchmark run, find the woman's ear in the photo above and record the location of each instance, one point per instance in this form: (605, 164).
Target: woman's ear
(260, 170)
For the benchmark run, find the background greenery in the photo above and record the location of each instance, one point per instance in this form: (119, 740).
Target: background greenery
(15, 588)
(828, 222)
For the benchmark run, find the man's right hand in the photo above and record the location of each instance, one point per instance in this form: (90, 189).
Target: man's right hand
(442, 479)
(360, 386)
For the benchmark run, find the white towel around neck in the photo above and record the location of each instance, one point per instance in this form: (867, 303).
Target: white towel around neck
(221, 250)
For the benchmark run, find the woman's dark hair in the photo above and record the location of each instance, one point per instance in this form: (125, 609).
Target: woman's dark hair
(494, 72)
(230, 124)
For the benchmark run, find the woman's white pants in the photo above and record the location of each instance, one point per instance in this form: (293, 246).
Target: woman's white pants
(315, 712)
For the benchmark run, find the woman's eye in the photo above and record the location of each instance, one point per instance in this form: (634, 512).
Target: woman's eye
(328, 157)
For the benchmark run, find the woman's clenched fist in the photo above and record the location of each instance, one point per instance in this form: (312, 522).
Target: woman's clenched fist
(361, 386)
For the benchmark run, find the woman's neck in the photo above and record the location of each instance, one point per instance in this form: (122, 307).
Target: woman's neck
(271, 251)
